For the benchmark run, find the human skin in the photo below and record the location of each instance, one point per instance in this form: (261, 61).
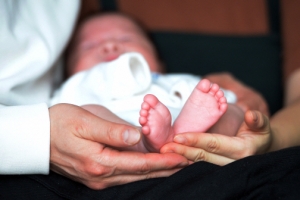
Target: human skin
(104, 38)
(202, 110)
(80, 150)
(206, 105)
(109, 167)
(247, 98)
(258, 134)
(253, 137)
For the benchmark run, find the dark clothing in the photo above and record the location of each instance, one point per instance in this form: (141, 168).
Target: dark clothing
(274, 175)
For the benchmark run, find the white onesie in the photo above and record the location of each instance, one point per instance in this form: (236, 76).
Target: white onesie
(121, 85)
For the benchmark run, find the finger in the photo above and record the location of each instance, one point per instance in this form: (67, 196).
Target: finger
(141, 163)
(99, 169)
(257, 127)
(99, 183)
(110, 133)
(256, 121)
(196, 154)
(213, 143)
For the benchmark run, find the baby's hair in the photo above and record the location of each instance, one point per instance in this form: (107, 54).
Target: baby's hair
(81, 24)
(138, 24)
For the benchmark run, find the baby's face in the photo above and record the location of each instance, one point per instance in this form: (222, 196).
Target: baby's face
(105, 38)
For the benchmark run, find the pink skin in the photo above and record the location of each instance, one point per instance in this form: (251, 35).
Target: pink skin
(202, 110)
(104, 38)
(155, 119)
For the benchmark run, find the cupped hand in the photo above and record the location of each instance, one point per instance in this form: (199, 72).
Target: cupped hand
(247, 98)
(253, 137)
(81, 149)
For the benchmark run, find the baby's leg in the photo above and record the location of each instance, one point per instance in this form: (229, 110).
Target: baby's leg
(106, 114)
(203, 108)
(230, 122)
(155, 119)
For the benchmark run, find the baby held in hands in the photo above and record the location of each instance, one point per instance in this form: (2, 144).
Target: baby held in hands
(116, 75)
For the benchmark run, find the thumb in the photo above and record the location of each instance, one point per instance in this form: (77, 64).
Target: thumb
(256, 121)
(109, 133)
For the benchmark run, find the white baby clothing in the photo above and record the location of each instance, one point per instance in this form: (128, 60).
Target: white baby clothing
(121, 85)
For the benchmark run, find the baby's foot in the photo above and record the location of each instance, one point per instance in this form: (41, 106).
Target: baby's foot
(203, 108)
(155, 119)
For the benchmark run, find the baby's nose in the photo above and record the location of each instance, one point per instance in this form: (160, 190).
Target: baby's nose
(111, 46)
(111, 50)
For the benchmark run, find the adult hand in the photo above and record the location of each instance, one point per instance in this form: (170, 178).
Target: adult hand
(247, 98)
(253, 137)
(80, 150)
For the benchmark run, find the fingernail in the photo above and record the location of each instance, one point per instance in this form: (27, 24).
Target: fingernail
(131, 136)
(180, 139)
(254, 116)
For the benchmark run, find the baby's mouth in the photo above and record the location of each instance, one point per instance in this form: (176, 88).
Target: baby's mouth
(111, 58)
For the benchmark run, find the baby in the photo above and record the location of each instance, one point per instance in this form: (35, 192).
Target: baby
(115, 67)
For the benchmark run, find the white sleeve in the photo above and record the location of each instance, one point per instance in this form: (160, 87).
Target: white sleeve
(25, 139)
(33, 35)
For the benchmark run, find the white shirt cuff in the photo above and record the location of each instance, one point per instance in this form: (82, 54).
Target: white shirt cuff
(24, 139)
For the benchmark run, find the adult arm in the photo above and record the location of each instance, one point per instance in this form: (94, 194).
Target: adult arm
(285, 123)
(30, 47)
(287, 118)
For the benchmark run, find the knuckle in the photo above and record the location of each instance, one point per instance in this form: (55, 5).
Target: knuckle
(149, 176)
(80, 128)
(114, 132)
(94, 170)
(200, 156)
(111, 133)
(213, 145)
(144, 168)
